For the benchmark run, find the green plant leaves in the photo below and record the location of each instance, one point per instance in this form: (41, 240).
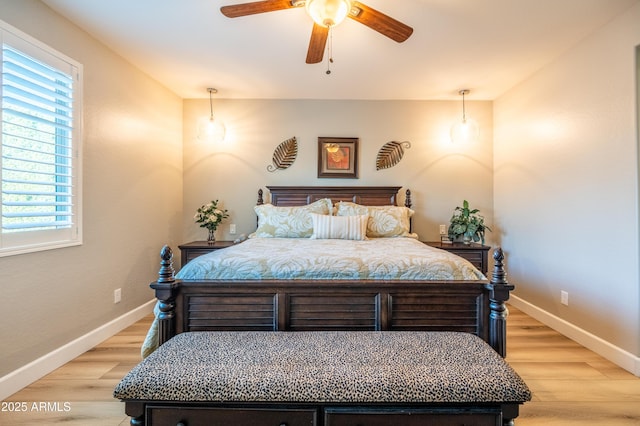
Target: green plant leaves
(467, 222)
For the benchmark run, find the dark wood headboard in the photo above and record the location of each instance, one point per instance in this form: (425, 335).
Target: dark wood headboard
(366, 195)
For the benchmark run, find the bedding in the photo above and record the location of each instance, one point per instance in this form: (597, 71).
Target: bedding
(330, 259)
(339, 227)
(323, 259)
(288, 222)
(384, 221)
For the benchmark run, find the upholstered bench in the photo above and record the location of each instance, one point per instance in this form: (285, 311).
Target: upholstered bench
(323, 378)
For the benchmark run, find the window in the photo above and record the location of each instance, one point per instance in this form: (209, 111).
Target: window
(40, 146)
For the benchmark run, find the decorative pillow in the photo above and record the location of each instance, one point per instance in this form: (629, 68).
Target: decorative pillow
(339, 227)
(288, 222)
(384, 221)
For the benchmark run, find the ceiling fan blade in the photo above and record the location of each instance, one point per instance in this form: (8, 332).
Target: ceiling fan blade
(317, 44)
(380, 22)
(244, 9)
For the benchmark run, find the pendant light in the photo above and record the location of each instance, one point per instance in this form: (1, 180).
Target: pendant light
(211, 129)
(466, 130)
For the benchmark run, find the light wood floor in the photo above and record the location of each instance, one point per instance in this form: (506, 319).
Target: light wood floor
(571, 385)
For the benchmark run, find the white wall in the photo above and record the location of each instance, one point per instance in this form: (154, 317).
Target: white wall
(132, 201)
(439, 174)
(566, 186)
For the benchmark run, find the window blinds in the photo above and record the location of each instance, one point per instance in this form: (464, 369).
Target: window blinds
(37, 146)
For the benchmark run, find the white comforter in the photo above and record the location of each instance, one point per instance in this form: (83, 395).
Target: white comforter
(304, 258)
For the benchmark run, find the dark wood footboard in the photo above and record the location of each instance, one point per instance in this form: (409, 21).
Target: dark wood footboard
(476, 307)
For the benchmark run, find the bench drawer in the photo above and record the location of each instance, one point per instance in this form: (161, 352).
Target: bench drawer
(158, 415)
(411, 417)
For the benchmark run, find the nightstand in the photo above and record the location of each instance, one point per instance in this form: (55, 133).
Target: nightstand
(477, 254)
(190, 251)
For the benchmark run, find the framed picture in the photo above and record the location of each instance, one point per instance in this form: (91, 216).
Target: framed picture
(338, 158)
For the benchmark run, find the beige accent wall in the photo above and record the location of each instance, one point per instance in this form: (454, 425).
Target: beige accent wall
(132, 189)
(566, 185)
(439, 174)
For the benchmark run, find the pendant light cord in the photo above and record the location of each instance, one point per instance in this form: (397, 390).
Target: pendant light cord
(330, 50)
(211, 101)
(464, 111)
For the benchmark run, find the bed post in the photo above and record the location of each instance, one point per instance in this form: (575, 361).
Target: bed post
(499, 293)
(164, 288)
(407, 204)
(259, 202)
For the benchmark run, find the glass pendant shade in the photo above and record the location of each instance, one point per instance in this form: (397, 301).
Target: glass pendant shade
(328, 13)
(211, 129)
(466, 130)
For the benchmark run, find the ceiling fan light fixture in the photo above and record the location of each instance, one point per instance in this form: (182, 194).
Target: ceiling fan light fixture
(328, 13)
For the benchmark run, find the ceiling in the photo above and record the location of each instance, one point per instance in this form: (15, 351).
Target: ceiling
(487, 46)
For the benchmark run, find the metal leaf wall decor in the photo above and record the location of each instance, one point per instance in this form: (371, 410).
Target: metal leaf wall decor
(284, 155)
(390, 154)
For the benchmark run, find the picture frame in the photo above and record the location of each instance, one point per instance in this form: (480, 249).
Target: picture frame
(338, 158)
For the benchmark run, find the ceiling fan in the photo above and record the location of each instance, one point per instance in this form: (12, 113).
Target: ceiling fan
(326, 14)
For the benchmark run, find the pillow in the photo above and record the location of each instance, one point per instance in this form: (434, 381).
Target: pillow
(339, 227)
(288, 222)
(384, 221)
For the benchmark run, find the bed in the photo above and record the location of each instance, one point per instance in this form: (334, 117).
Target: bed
(384, 299)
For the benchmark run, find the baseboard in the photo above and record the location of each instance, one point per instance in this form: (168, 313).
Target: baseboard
(617, 355)
(24, 376)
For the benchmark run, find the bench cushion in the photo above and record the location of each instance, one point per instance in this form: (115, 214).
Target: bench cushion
(324, 366)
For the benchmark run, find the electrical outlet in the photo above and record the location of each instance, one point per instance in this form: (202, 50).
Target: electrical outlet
(564, 298)
(232, 228)
(117, 295)
(443, 229)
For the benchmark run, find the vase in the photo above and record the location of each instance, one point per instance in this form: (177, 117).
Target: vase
(466, 239)
(212, 236)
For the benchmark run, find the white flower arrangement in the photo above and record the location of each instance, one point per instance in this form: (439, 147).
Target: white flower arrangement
(210, 216)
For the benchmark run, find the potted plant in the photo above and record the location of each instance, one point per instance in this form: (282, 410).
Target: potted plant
(210, 216)
(468, 224)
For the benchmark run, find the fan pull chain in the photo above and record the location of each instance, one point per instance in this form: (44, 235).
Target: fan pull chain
(330, 50)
